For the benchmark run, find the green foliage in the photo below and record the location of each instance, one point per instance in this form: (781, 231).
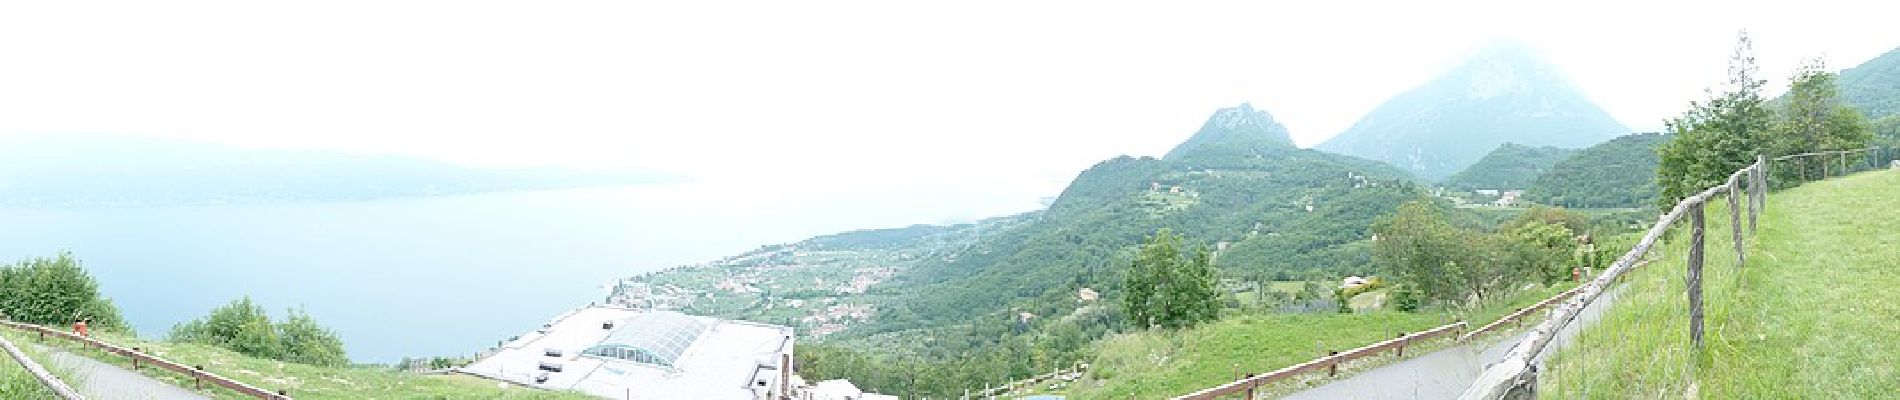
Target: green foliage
(304, 341)
(1543, 248)
(1405, 298)
(1423, 249)
(1163, 288)
(1717, 136)
(1874, 86)
(54, 291)
(1812, 117)
(1614, 174)
(244, 327)
(1510, 166)
(1887, 131)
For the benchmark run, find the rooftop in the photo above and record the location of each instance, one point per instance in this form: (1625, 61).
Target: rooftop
(626, 353)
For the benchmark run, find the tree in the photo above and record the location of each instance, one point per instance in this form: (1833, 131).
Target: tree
(1426, 253)
(1813, 117)
(304, 341)
(1887, 130)
(1717, 136)
(54, 291)
(1163, 289)
(1540, 249)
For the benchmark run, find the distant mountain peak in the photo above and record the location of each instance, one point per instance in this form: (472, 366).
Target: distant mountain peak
(1506, 92)
(1240, 130)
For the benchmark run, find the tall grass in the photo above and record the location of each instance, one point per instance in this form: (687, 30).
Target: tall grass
(17, 383)
(1813, 314)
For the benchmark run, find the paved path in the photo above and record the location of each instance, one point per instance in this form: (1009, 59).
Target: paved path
(1446, 373)
(102, 381)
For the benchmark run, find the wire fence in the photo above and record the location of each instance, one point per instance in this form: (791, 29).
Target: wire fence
(1745, 193)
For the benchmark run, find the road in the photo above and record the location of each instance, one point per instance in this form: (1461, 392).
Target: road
(100, 380)
(1446, 373)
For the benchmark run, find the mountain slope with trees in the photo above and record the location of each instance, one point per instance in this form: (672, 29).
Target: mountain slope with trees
(1510, 166)
(1234, 201)
(1505, 94)
(1874, 86)
(1619, 173)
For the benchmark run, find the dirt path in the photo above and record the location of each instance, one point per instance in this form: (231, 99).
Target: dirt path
(1443, 374)
(100, 380)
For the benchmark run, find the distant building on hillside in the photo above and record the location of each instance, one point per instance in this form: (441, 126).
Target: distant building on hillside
(644, 354)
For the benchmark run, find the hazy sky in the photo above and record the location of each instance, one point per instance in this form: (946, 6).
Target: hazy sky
(1014, 97)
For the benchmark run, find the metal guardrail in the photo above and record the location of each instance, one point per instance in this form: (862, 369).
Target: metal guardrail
(52, 383)
(1329, 362)
(199, 376)
(1517, 318)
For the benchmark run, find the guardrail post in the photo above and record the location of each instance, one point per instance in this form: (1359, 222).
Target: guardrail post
(1402, 345)
(198, 376)
(1695, 273)
(1332, 369)
(1250, 388)
(135, 358)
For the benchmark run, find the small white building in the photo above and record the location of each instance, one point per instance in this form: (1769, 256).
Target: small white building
(1352, 282)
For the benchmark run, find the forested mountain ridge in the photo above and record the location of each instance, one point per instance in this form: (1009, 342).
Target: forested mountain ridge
(1874, 86)
(1248, 188)
(1505, 94)
(968, 302)
(1232, 134)
(1616, 174)
(1510, 166)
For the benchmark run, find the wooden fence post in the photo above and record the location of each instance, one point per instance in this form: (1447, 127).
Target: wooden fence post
(1695, 273)
(1333, 368)
(1735, 220)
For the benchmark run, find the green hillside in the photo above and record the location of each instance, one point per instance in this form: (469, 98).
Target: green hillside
(1874, 86)
(1619, 173)
(1510, 166)
(1812, 315)
(968, 302)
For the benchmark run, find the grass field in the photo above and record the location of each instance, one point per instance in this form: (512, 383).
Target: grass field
(16, 383)
(1813, 314)
(1161, 363)
(303, 381)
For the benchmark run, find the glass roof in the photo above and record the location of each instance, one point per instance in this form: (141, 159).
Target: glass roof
(664, 334)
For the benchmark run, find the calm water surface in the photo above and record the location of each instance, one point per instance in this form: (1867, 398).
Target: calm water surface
(438, 275)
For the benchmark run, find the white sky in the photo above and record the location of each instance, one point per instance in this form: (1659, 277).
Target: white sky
(1007, 96)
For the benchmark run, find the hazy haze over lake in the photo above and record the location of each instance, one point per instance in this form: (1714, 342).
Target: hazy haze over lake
(437, 275)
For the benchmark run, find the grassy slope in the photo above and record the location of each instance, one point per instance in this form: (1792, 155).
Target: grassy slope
(1814, 314)
(1160, 364)
(303, 381)
(16, 383)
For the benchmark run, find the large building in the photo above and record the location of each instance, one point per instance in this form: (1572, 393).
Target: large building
(642, 354)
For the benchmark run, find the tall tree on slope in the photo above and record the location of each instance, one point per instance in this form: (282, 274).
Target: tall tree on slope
(1716, 136)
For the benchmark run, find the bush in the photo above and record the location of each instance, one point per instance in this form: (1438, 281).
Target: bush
(54, 291)
(244, 327)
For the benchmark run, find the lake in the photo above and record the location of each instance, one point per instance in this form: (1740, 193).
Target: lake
(440, 276)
